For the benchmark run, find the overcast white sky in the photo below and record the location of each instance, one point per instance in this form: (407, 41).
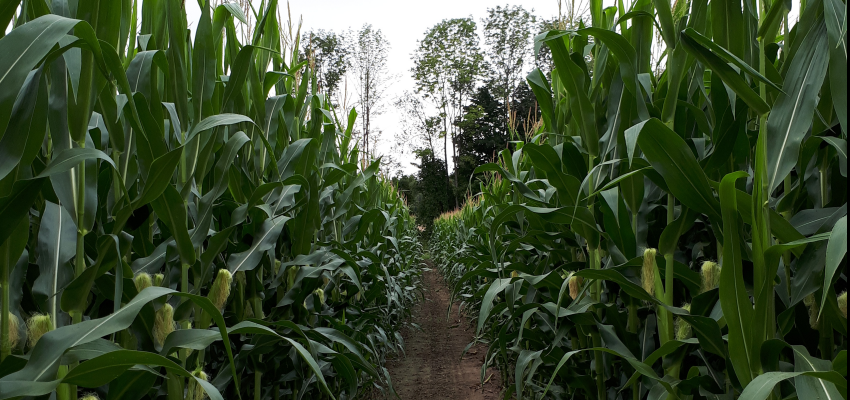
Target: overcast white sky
(403, 23)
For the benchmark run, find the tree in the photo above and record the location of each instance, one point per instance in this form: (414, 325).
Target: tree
(418, 129)
(483, 133)
(448, 63)
(369, 51)
(525, 114)
(431, 197)
(329, 52)
(508, 38)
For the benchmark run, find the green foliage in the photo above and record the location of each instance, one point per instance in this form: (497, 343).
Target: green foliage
(589, 252)
(330, 53)
(433, 194)
(507, 36)
(447, 65)
(484, 132)
(187, 217)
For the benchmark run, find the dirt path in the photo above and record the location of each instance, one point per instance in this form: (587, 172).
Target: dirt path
(433, 369)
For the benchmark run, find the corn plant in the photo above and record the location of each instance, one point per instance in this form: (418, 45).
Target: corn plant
(184, 215)
(672, 235)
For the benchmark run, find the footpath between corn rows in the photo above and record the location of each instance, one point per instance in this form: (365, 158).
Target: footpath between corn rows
(433, 368)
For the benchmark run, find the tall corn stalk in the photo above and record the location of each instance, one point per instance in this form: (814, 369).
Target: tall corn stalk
(185, 228)
(729, 163)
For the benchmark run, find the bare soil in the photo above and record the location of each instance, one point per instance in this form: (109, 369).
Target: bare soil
(433, 367)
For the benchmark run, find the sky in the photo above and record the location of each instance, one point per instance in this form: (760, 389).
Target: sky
(403, 22)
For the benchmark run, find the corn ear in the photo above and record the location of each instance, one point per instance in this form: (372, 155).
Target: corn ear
(575, 286)
(164, 324)
(220, 290)
(684, 331)
(710, 272)
(37, 326)
(649, 270)
(143, 281)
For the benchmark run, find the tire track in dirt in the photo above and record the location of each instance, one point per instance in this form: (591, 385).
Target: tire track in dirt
(433, 368)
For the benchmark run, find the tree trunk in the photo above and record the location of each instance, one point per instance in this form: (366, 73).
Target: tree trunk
(446, 153)
(454, 160)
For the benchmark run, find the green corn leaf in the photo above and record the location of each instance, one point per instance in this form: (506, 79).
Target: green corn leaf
(525, 358)
(617, 222)
(670, 236)
(816, 387)
(171, 210)
(27, 125)
(728, 56)
(44, 359)
(792, 114)
(621, 49)
(71, 158)
(835, 14)
(247, 327)
(771, 22)
(709, 334)
(74, 297)
(176, 54)
(543, 93)
(762, 387)
(203, 64)
(239, 75)
(641, 367)
(195, 339)
(495, 288)
(15, 206)
(665, 16)
(573, 80)
(159, 177)
(674, 160)
(101, 370)
(31, 42)
(216, 121)
(836, 250)
(264, 241)
(57, 245)
(131, 385)
(737, 307)
(729, 76)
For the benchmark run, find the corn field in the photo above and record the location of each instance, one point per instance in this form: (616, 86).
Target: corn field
(183, 216)
(673, 235)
